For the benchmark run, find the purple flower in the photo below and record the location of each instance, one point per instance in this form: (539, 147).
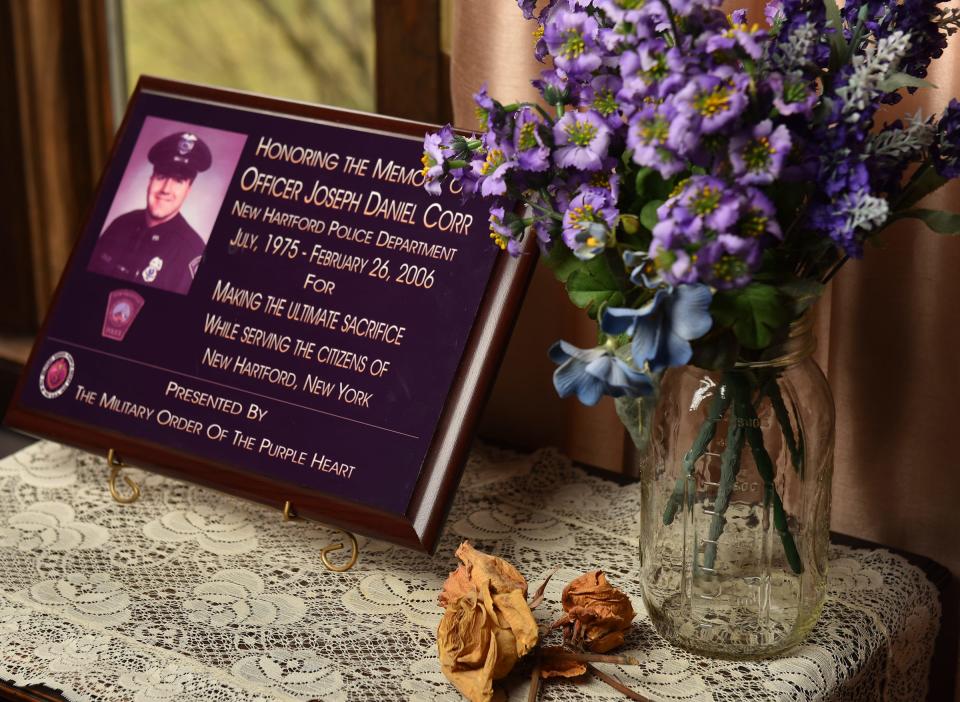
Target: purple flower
(591, 373)
(705, 202)
(849, 218)
(946, 148)
(713, 99)
(492, 170)
(712, 232)
(773, 12)
(648, 136)
(532, 153)
(757, 158)
(728, 261)
(588, 224)
(629, 11)
(485, 106)
(759, 217)
(571, 38)
(927, 39)
(792, 94)
(556, 88)
(750, 38)
(601, 96)
(527, 7)
(653, 70)
(500, 232)
(581, 139)
(433, 159)
(673, 265)
(661, 330)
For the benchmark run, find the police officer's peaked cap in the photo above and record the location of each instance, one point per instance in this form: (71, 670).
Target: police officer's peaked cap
(183, 154)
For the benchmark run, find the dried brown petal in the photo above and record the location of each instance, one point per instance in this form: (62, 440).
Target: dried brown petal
(552, 666)
(487, 625)
(476, 570)
(457, 585)
(597, 611)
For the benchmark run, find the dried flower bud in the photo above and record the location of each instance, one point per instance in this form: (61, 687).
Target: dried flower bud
(597, 614)
(487, 625)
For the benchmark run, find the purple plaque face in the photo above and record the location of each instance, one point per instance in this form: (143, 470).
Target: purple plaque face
(272, 293)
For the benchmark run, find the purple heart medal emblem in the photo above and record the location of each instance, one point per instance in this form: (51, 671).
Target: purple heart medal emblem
(56, 374)
(122, 308)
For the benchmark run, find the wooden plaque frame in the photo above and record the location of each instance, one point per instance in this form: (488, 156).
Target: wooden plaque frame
(439, 476)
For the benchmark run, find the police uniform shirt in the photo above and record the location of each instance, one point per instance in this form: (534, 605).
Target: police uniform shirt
(164, 256)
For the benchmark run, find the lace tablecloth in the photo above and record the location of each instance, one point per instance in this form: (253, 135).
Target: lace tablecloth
(193, 595)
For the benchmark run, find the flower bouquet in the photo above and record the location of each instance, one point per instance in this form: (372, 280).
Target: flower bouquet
(695, 180)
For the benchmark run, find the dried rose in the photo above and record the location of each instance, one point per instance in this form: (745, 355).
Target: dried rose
(553, 664)
(487, 625)
(476, 570)
(597, 614)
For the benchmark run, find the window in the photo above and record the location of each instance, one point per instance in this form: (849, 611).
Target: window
(311, 50)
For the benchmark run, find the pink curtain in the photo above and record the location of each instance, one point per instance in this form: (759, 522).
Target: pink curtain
(889, 336)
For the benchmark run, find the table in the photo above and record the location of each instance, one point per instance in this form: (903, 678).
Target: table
(190, 594)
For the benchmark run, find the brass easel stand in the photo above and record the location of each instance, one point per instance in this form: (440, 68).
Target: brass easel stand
(289, 514)
(116, 464)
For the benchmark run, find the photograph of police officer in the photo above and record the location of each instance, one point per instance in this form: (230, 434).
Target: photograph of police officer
(156, 246)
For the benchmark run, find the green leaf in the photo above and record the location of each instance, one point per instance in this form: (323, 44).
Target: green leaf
(648, 215)
(938, 221)
(924, 182)
(641, 179)
(755, 313)
(561, 261)
(802, 291)
(594, 284)
(715, 351)
(903, 80)
(838, 47)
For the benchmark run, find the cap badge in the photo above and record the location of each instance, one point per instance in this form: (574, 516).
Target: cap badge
(186, 144)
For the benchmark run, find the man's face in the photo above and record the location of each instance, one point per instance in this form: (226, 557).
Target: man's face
(165, 195)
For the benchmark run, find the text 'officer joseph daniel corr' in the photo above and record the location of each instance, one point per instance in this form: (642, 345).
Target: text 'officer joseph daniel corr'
(156, 246)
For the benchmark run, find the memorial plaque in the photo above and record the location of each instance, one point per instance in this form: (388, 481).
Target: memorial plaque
(265, 300)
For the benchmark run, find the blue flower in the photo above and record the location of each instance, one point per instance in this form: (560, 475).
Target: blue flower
(592, 373)
(663, 328)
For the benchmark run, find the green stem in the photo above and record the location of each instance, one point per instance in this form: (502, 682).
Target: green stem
(765, 469)
(833, 271)
(673, 27)
(795, 447)
(707, 431)
(906, 194)
(551, 213)
(729, 467)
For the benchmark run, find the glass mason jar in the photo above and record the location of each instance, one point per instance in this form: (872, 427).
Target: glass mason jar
(736, 502)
